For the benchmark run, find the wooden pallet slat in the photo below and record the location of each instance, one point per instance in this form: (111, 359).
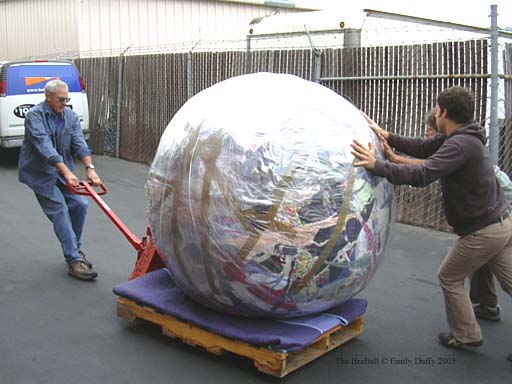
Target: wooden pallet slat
(274, 363)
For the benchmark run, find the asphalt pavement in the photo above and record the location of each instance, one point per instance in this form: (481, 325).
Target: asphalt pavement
(55, 329)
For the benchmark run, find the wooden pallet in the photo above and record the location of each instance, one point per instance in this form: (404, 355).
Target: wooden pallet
(277, 364)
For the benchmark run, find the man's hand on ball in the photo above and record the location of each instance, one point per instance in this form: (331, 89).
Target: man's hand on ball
(366, 155)
(376, 128)
(388, 151)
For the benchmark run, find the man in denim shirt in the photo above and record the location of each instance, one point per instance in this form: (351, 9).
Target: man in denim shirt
(53, 137)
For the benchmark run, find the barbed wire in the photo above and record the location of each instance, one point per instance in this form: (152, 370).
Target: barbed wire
(370, 35)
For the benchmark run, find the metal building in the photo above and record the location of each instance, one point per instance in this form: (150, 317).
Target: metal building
(81, 28)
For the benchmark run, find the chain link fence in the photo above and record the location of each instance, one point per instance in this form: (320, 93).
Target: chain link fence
(134, 96)
(101, 74)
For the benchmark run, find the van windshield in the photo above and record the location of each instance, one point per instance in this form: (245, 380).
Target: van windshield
(28, 78)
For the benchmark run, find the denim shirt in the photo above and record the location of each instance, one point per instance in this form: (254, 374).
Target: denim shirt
(43, 148)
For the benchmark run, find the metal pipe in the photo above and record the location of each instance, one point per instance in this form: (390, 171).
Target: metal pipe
(417, 77)
(317, 55)
(272, 35)
(413, 77)
(493, 125)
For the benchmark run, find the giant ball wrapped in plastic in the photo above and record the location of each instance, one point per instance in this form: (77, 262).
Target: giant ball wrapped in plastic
(255, 204)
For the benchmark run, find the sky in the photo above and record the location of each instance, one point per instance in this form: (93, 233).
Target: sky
(471, 12)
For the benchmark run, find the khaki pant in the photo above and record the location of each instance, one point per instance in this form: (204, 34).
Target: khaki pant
(491, 245)
(482, 289)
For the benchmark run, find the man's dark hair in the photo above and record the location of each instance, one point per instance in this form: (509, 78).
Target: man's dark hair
(459, 104)
(430, 119)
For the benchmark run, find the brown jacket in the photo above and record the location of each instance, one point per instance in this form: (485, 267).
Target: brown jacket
(472, 196)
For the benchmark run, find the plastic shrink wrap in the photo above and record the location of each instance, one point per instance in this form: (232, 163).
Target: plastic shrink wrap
(254, 202)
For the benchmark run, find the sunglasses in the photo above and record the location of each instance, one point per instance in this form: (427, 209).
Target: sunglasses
(63, 99)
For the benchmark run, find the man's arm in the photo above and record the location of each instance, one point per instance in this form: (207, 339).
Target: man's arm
(392, 156)
(80, 149)
(68, 175)
(41, 141)
(92, 176)
(446, 160)
(416, 147)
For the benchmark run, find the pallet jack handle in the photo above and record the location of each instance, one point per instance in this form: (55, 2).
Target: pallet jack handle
(86, 189)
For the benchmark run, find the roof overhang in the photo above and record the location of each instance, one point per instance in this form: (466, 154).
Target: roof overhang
(306, 5)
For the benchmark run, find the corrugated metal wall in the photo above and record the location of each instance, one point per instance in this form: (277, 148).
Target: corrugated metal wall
(29, 28)
(117, 24)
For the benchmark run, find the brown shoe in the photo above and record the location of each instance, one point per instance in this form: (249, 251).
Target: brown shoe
(486, 312)
(84, 257)
(448, 340)
(79, 270)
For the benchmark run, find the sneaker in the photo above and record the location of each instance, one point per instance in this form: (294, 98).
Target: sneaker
(84, 257)
(448, 340)
(79, 270)
(485, 312)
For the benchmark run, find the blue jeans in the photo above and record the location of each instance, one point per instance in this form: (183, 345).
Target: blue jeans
(67, 212)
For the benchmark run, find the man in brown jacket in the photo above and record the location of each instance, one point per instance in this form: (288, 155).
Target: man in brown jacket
(473, 203)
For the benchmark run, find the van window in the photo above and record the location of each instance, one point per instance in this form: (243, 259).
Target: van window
(31, 78)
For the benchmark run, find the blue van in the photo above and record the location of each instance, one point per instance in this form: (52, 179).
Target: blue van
(22, 86)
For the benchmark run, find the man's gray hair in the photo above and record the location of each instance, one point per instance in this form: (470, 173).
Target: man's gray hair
(52, 85)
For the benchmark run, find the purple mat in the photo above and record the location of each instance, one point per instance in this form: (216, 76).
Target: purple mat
(158, 291)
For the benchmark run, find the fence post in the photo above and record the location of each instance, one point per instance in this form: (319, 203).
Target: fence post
(317, 58)
(493, 125)
(190, 71)
(248, 66)
(120, 77)
(190, 81)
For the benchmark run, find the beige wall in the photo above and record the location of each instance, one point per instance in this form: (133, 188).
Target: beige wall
(69, 28)
(33, 28)
(116, 24)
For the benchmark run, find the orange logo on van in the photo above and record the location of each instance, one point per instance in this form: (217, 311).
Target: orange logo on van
(29, 81)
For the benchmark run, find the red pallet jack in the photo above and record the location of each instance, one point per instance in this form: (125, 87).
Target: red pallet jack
(147, 255)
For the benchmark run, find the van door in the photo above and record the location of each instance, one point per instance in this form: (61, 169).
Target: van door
(24, 84)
